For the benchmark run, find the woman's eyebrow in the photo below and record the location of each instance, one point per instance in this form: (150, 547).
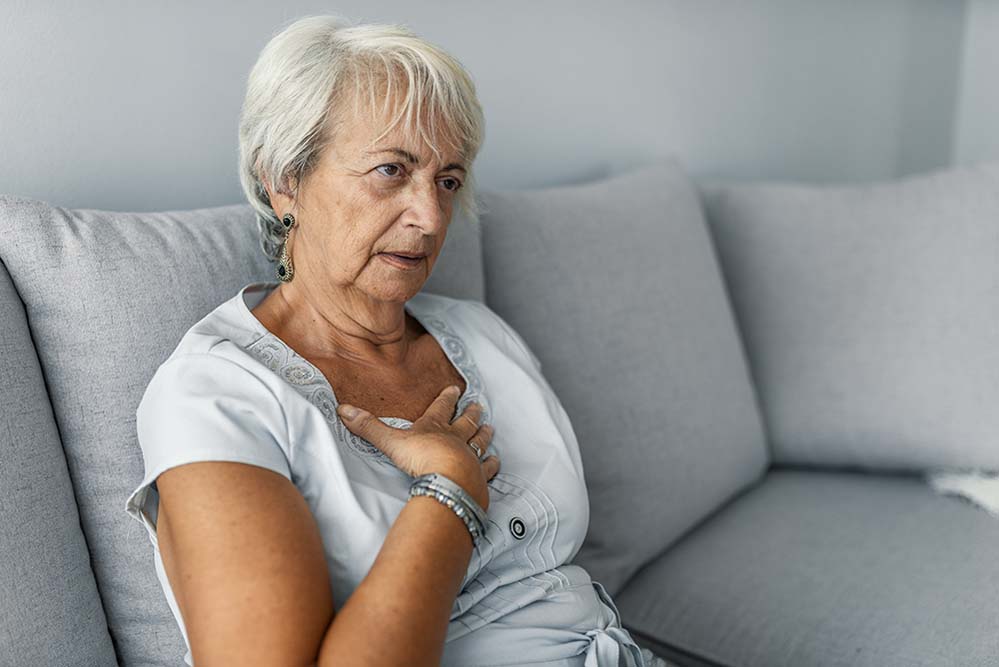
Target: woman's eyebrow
(412, 158)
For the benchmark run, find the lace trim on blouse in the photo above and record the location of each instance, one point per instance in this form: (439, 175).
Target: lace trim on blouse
(310, 382)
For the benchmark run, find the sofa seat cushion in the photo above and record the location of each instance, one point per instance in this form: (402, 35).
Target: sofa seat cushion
(615, 287)
(828, 568)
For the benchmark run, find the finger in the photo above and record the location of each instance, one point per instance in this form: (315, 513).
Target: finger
(366, 425)
(483, 437)
(441, 408)
(490, 467)
(467, 422)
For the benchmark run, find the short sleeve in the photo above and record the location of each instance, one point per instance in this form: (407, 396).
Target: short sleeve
(205, 407)
(509, 332)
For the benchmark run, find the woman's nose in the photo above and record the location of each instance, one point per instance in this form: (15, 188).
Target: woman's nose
(427, 208)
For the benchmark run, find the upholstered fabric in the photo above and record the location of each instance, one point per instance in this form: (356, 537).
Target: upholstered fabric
(615, 287)
(870, 314)
(49, 604)
(108, 296)
(828, 568)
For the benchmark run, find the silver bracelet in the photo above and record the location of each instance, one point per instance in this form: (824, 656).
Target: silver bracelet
(452, 495)
(438, 482)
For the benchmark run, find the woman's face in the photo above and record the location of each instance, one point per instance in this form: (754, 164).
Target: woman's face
(362, 202)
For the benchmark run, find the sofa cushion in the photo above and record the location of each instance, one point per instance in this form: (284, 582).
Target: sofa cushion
(828, 568)
(108, 297)
(49, 605)
(870, 315)
(614, 286)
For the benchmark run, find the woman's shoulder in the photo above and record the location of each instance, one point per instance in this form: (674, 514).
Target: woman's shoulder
(477, 322)
(473, 317)
(219, 371)
(212, 360)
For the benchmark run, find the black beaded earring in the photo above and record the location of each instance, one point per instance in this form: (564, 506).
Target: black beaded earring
(285, 269)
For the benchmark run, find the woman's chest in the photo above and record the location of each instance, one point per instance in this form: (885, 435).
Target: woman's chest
(388, 391)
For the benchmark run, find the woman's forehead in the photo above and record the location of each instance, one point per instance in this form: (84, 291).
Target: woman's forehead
(367, 139)
(366, 129)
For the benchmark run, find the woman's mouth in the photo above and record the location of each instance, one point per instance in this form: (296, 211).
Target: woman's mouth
(401, 261)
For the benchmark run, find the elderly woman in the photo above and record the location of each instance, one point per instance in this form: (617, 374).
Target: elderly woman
(323, 451)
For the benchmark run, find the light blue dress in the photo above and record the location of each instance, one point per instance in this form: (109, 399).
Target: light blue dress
(234, 391)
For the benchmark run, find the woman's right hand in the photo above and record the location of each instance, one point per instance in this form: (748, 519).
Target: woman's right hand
(434, 443)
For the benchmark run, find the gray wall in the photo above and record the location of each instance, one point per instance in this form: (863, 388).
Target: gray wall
(133, 105)
(976, 133)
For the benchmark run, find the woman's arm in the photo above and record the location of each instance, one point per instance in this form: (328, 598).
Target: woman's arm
(246, 564)
(399, 613)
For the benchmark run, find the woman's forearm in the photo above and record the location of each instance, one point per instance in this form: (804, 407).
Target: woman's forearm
(398, 614)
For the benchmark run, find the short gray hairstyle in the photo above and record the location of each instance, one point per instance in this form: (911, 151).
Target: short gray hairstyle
(296, 103)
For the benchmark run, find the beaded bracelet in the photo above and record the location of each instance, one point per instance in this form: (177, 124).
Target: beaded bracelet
(452, 495)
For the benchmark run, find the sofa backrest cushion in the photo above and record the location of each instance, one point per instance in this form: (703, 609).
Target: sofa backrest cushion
(615, 287)
(108, 297)
(49, 604)
(870, 314)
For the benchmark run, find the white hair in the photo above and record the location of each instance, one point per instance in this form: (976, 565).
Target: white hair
(296, 104)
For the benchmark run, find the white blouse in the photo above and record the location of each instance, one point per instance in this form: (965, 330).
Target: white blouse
(234, 391)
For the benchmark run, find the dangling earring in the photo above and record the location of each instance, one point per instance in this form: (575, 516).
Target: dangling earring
(285, 269)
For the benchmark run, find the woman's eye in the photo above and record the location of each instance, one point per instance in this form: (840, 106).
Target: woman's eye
(390, 166)
(393, 170)
(455, 184)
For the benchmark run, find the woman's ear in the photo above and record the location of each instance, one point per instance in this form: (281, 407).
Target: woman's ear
(281, 201)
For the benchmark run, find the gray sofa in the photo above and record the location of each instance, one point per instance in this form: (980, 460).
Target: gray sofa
(759, 375)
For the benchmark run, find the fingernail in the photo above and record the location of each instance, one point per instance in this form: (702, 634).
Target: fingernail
(348, 411)
(454, 388)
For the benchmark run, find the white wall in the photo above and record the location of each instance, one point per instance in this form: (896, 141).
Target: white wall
(133, 105)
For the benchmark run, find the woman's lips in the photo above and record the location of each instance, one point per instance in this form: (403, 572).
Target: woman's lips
(400, 261)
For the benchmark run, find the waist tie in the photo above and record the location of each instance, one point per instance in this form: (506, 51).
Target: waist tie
(607, 646)
(612, 646)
